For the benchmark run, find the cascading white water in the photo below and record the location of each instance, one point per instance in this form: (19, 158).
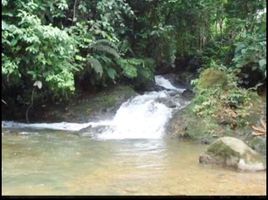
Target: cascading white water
(140, 117)
(64, 126)
(161, 81)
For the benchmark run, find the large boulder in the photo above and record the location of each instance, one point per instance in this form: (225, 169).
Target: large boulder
(234, 153)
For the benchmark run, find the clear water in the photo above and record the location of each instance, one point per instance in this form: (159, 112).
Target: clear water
(127, 156)
(64, 163)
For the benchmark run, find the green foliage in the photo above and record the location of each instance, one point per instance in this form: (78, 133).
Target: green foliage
(53, 41)
(224, 102)
(129, 67)
(94, 56)
(105, 41)
(159, 41)
(211, 78)
(33, 51)
(141, 68)
(95, 64)
(113, 14)
(219, 51)
(251, 51)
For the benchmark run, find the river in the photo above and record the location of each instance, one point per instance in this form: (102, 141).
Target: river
(128, 155)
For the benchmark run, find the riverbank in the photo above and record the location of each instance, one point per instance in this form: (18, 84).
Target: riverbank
(81, 108)
(186, 124)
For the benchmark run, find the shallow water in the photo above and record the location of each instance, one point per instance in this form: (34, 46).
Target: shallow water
(62, 163)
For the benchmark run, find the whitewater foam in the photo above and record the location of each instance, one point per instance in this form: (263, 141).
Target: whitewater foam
(140, 117)
(161, 81)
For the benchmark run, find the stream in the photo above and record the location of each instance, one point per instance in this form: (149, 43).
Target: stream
(126, 155)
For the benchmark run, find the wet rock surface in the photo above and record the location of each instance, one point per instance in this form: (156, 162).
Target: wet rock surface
(188, 94)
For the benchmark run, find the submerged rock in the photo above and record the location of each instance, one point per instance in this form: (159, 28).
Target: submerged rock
(234, 153)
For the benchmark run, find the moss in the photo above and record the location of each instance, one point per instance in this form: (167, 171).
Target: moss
(218, 119)
(199, 128)
(222, 150)
(81, 109)
(232, 152)
(211, 78)
(110, 99)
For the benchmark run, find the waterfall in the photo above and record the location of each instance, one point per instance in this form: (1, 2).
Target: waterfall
(143, 116)
(140, 117)
(161, 81)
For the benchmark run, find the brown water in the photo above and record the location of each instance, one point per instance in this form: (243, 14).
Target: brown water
(58, 163)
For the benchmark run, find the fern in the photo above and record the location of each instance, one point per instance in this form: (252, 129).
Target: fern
(111, 73)
(96, 65)
(106, 43)
(128, 67)
(106, 49)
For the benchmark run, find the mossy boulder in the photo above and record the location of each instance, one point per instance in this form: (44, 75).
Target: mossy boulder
(212, 78)
(185, 124)
(233, 153)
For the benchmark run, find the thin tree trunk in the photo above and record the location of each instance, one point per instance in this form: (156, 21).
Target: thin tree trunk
(75, 3)
(30, 106)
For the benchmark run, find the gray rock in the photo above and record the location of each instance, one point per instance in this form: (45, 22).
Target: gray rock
(176, 127)
(234, 153)
(169, 103)
(187, 94)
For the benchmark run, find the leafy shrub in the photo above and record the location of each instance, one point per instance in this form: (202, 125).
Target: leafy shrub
(33, 51)
(219, 98)
(251, 51)
(212, 77)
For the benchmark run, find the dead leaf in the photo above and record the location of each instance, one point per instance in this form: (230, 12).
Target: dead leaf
(259, 130)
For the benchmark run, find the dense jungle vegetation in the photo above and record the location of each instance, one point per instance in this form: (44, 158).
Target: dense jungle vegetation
(53, 50)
